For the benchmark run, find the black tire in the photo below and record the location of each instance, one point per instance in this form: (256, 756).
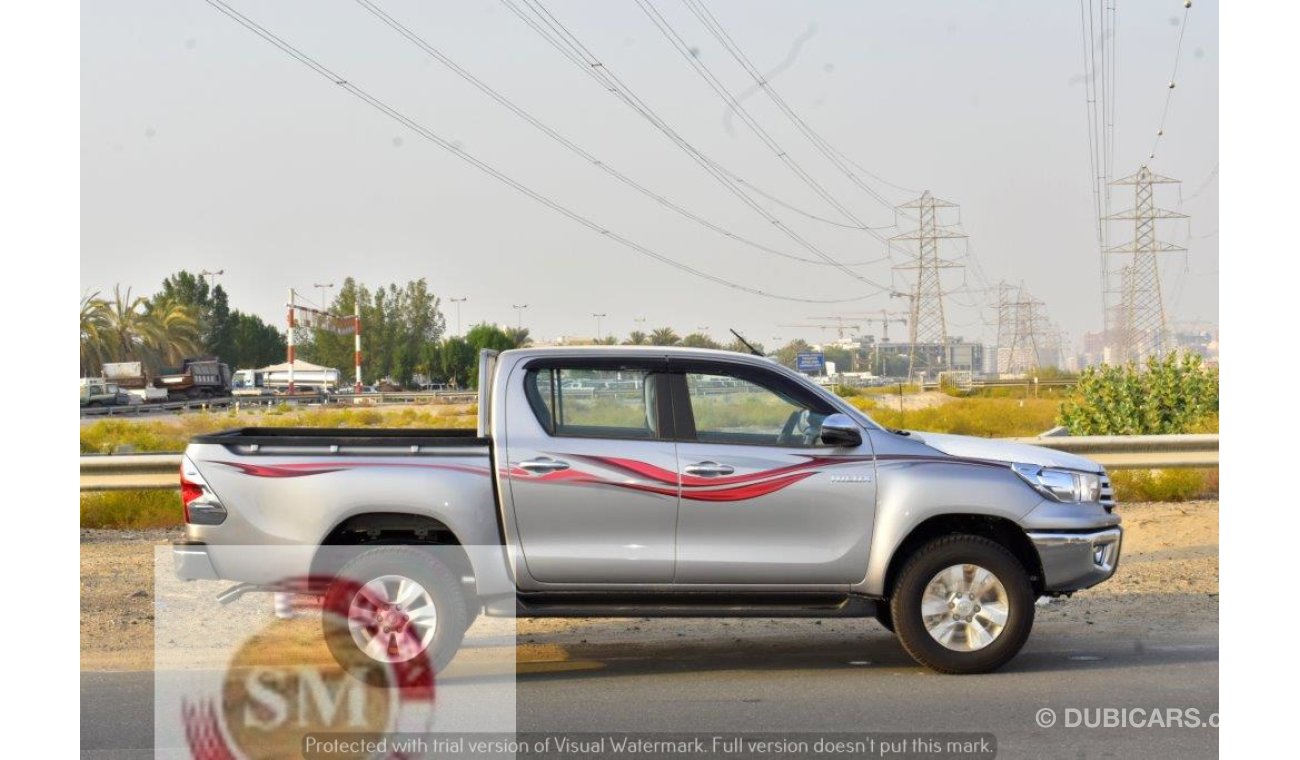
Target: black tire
(443, 587)
(924, 565)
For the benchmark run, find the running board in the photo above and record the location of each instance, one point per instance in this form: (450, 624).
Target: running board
(693, 605)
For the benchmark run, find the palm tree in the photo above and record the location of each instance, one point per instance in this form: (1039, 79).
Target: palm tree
(131, 329)
(125, 317)
(664, 336)
(170, 331)
(699, 340)
(636, 338)
(608, 340)
(94, 333)
(518, 336)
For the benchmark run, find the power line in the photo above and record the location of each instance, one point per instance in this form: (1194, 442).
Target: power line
(1090, 98)
(572, 49)
(546, 26)
(720, 34)
(683, 50)
(1173, 79)
(429, 135)
(568, 144)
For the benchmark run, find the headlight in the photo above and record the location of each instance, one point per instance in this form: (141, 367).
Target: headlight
(1062, 485)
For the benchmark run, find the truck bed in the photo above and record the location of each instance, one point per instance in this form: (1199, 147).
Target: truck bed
(351, 438)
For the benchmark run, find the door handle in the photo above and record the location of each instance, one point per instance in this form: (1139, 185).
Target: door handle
(708, 469)
(543, 465)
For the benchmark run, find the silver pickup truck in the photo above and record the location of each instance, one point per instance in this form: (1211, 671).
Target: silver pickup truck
(650, 481)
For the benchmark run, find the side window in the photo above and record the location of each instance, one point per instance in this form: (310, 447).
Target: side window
(734, 410)
(594, 403)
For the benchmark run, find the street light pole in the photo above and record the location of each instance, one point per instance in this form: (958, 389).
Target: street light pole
(599, 317)
(519, 310)
(458, 302)
(322, 287)
(212, 277)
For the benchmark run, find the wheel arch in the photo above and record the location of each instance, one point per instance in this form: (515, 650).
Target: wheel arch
(387, 526)
(1001, 530)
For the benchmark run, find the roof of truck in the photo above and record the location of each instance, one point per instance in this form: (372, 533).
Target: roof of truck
(632, 350)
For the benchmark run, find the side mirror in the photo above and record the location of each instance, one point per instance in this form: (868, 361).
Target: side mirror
(841, 430)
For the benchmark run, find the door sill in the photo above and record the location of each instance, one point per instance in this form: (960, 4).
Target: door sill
(689, 604)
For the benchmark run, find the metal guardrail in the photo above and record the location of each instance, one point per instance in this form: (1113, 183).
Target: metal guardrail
(1138, 452)
(130, 472)
(240, 402)
(134, 472)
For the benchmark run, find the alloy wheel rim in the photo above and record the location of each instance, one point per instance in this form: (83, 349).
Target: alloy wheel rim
(392, 618)
(965, 607)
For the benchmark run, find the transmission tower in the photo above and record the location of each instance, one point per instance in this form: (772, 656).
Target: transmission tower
(1138, 328)
(1023, 330)
(927, 325)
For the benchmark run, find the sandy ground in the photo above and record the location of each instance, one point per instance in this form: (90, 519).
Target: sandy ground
(911, 402)
(1168, 580)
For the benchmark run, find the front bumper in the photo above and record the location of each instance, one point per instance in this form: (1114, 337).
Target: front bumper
(192, 563)
(1073, 561)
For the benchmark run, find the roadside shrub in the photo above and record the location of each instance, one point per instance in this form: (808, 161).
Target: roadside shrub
(1165, 485)
(1176, 394)
(131, 510)
(997, 417)
(108, 436)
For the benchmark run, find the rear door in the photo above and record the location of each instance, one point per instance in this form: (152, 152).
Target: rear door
(593, 471)
(763, 500)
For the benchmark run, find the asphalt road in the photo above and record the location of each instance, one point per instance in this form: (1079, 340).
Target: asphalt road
(862, 682)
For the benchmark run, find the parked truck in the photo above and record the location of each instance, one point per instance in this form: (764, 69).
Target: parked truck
(650, 482)
(250, 382)
(97, 391)
(131, 377)
(203, 377)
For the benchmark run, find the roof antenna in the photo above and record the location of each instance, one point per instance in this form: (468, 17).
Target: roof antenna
(748, 345)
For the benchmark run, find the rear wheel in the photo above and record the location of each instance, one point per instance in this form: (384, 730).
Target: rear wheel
(394, 604)
(963, 604)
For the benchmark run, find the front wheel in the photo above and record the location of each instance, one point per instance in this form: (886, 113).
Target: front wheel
(963, 604)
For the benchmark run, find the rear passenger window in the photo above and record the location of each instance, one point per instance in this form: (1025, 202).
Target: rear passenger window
(594, 403)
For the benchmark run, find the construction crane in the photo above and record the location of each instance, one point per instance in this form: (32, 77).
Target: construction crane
(841, 323)
(838, 325)
(883, 317)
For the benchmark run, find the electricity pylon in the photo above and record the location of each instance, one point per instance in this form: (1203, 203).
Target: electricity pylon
(927, 323)
(1138, 328)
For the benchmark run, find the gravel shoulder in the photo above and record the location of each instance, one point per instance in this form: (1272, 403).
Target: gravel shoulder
(1167, 586)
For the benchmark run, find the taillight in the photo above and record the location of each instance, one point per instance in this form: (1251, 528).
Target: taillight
(202, 507)
(189, 492)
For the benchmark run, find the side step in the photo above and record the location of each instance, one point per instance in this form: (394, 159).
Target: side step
(693, 604)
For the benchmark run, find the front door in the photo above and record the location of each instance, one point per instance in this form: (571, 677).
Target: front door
(593, 472)
(763, 500)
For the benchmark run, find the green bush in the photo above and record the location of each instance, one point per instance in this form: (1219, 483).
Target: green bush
(1177, 394)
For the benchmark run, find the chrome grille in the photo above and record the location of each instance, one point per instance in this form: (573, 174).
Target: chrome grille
(1107, 493)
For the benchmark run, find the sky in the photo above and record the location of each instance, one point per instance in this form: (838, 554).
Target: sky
(204, 147)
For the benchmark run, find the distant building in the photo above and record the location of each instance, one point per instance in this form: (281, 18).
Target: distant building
(937, 357)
